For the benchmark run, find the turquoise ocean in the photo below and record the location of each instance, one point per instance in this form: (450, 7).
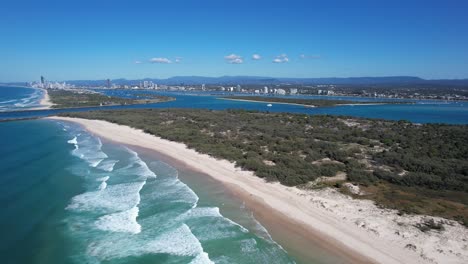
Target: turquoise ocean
(71, 198)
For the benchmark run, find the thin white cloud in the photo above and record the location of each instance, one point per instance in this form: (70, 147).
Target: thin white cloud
(178, 59)
(138, 62)
(234, 59)
(256, 57)
(283, 58)
(237, 61)
(160, 60)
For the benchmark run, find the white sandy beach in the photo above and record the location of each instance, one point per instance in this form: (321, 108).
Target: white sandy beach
(366, 232)
(44, 102)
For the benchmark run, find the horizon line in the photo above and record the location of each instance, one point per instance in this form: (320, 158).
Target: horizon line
(248, 76)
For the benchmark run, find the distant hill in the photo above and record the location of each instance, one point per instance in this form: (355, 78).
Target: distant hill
(261, 80)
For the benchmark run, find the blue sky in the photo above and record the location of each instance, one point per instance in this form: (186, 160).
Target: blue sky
(70, 40)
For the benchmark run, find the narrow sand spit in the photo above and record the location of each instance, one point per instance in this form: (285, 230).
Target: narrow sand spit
(44, 102)
(355, 228)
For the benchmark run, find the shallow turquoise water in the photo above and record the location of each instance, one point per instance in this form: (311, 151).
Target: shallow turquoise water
(70, 198)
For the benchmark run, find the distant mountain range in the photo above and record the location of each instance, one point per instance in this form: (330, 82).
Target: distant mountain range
(258, 80)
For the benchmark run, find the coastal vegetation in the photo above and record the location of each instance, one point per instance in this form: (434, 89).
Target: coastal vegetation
(300, 101)
(88, 98)
(410, 167)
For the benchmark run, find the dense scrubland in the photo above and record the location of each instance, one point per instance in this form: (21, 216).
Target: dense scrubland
(84, 98)
(410, 167)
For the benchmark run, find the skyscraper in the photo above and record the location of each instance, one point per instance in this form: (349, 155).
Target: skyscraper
(42, 80)
(108, 83)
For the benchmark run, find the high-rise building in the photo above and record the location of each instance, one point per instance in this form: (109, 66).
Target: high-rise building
(280, 91)
(42, 80)
(108, 83)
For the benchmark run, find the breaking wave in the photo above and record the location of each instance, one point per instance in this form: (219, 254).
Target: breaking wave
(131, 210)
(25, 98)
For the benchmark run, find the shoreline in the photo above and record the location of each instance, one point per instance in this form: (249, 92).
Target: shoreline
(291, 237)
(44, 102)
(307, 217)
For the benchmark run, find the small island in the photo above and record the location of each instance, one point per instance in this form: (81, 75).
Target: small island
(88, 98)
(304, 102)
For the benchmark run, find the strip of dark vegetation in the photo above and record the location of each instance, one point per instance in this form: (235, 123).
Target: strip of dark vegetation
(410, 167)
(84, 98)
(307, 102)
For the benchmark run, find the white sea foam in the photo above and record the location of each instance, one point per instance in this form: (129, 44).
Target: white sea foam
(103, 178)
(248, 245)
(210, 212)
(120, 222)
(107, 165)
(88, 148)
(201, 258)
(8, 101)
(102, 186)
(137, 166)
(260, 230)
(30, 101)
(73, 141)
(94, 162)
(179, 242)
(114, 208)
(103, 181)
(202, 212)
(114, 198)
(174, 191)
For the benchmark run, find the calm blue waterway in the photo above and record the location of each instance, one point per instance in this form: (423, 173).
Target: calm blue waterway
(423, 111)
(68, 197)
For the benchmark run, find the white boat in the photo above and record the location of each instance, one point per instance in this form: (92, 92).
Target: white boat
(269, 105)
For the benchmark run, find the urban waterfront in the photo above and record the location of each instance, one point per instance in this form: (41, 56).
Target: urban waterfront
(419, 111)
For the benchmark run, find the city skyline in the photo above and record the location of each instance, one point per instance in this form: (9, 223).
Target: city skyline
(110, 40)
